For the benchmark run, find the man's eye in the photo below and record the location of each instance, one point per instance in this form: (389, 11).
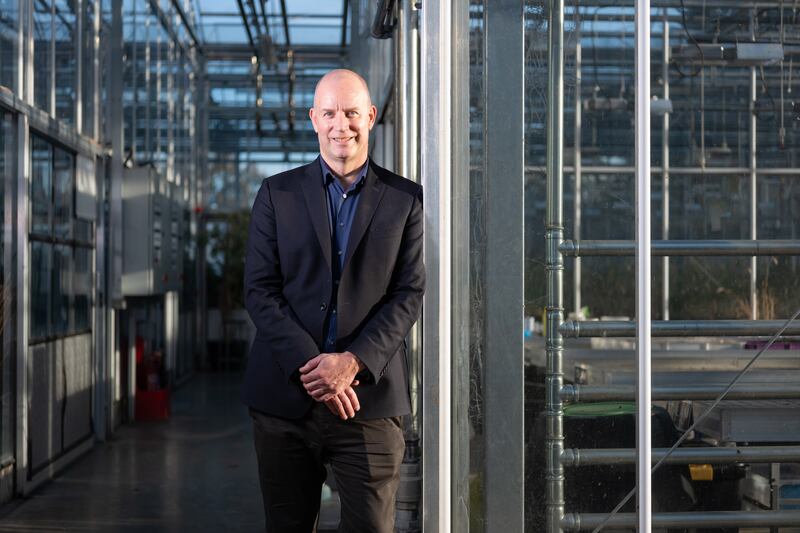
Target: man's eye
(352, 114)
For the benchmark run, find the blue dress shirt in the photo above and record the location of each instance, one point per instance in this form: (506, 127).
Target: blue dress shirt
(342, 206)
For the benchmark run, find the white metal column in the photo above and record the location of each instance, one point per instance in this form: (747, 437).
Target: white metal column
(22, 283)
(436, 175)
(643, 271)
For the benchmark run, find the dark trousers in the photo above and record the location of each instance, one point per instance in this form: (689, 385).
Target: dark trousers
(364, 456)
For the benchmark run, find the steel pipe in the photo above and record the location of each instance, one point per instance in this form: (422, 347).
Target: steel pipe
(573, 457)
(554, 234)
(644, 275)
(709, 248)
(678, 328)
(588, 521)
(744, 391)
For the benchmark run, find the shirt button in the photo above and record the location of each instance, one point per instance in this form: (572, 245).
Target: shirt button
(323, 306)
(341, 224)
(339, 252)
(334, 311)
(344, 196)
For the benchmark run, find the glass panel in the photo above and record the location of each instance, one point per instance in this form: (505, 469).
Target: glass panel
(63, 190)
(41, 288)
(41, 186)
(42, 53)
(477, 244)
(89, 93)
(83, 231)
(62, 289)
(9, 27)
(66, 59)
(82, 287)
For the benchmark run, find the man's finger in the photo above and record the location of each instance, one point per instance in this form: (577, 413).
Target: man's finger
(339, 407)
(351, 394)
(348, 407)
(311, 375)
(320, 395)
(310, 365)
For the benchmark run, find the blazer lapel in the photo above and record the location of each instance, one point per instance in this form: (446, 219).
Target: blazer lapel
(367, 204)
(314, 193)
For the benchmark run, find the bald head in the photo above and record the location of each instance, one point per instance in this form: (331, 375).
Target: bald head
(341, 78)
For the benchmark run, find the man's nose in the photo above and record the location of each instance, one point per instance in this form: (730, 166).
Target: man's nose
(340, 121)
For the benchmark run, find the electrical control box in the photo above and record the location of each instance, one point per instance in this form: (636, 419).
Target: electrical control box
(153, 219)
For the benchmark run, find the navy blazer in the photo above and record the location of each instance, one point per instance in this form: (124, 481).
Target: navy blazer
(288, 288)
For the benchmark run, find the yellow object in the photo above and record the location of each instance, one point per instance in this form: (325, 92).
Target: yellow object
(701, 472)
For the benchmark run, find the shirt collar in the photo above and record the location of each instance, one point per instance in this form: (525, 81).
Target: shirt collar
(327, 175)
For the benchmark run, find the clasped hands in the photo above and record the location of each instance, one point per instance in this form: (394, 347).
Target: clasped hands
(330, 378)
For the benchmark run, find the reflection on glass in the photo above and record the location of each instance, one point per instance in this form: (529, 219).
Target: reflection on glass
(63, 193)
(66, 59)
(82, 287)
(89, 91)
(41, 185)
(9, 25)
(42, 53)
(41, 288)
(62, 289)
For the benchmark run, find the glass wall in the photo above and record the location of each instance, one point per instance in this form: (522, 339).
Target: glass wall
(724, 144)
(61, 247)
(9, 28)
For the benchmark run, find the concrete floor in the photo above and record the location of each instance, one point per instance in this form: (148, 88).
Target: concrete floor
(195, 472)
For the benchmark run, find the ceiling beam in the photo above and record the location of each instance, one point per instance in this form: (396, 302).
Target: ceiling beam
(240, 51)
(285, 23)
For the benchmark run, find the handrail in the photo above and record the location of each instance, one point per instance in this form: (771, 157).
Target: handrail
(744, 391)
(574, 457)
(574, 248)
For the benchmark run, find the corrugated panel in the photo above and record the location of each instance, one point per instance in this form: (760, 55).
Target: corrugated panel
(78, 366)
(47, 391)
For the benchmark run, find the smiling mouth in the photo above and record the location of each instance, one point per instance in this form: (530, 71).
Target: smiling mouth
(343, 140)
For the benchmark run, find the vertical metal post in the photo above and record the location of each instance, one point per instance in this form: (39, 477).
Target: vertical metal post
(116, 134)
(199, 199)
(665, 172)
(412, 129)
(409, 167)
(80, 8)
(96, 94)
(101, 396)
(643, 270)
(578, 157)
(51, 90)
(460, 122)
(554, 234)
(400, 86)
(436, 172)
(753, 175)
(504, 178)
(22, 298)
(26, 63)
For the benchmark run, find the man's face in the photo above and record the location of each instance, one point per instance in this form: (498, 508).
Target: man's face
(342, 117)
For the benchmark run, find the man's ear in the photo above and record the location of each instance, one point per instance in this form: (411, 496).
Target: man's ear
(313, 122)
(373, 114)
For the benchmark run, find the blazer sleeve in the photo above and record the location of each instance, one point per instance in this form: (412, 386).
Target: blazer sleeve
(385, 331)
(290, 344)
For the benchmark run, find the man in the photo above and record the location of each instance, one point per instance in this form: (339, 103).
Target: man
(333, 282)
